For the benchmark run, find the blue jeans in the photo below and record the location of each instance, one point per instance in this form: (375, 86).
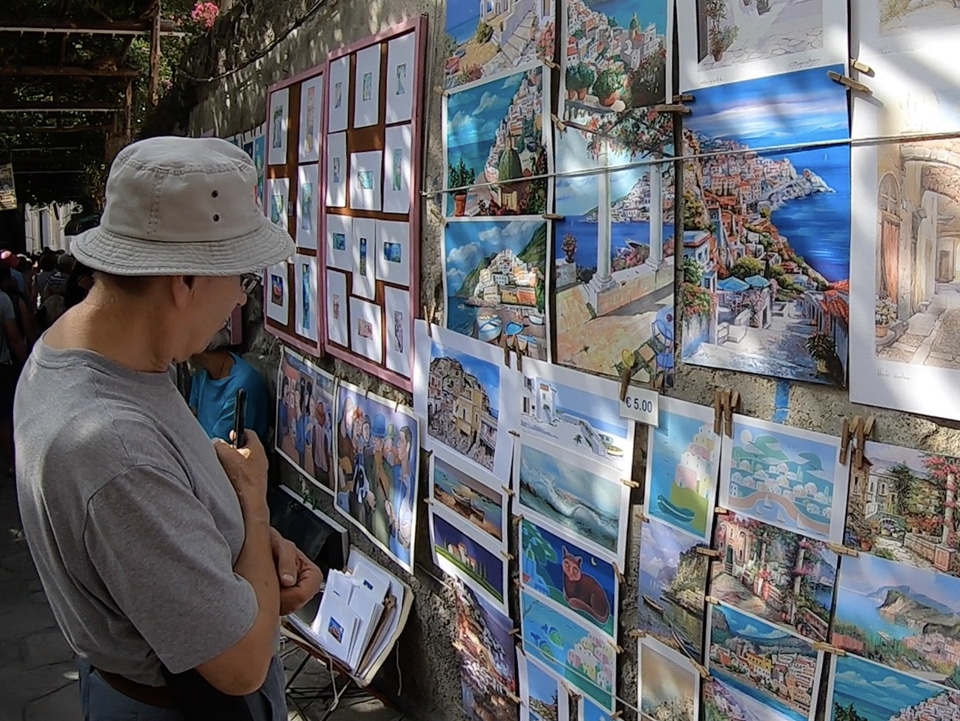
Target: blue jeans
(101, 702)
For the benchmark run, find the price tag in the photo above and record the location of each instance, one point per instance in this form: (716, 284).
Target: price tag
(641, 405)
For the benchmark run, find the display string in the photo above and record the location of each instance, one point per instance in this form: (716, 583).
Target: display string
(766, 150)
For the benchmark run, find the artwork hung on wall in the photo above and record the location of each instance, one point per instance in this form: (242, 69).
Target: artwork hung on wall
(739, 642)
(393, 252)
(461, 390)
(366, 329)
(542, 696)
(366, 87)
(366, 181)
(311, 117)
(401, 65)
(339, 242)
(337, 171)
(308, 216)
(477, 499)
(278, 194)
(278, 294)
(787, 477)
(668, 686)
(901, 505)
(278, 124)
(305, 418)
(575, 579)
(582, 656)
(903, 28)
(766, 271)
(774, 574)
(723, 701)
(376, 446)
(672, 587)
(305, 273)
(461, 552)
(496, 283)
(683, 467)
(900, 616)
(336, 290)
(338, 95)
(486, 40)
(397, 168)
(398, 330)
(574, 494)
(364, 265)
(493, 140)
(576, 411)
(260, 162)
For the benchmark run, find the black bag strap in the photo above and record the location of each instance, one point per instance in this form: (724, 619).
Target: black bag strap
(198, 700)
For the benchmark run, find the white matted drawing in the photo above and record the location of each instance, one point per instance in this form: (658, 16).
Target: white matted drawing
(366, 87)
(399, 329)
(311, 117)
(338, 95)
(364, 267)
(339, 241)
(393, 252)
(337, 325)
(278, 294)
(279, 125)
(307, 207)
(366, 329)
(366, 180)
(337, 170)
(305, 275)
(401, 70)
(901, 26)
(278, 195)
(397, 169)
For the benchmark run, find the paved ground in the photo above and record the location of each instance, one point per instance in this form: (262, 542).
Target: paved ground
(38, 678)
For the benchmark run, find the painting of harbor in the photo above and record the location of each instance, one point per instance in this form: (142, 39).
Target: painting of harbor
(480, 504)
(672, 585)
(496, 283)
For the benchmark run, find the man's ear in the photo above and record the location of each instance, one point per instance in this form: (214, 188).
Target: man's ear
(182, 289)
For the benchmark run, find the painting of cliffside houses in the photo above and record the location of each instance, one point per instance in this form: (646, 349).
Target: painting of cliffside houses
(766, 237)
(672, 586)
(498, 157)
(774, 574)
(866, 691)
(542, 695)
(902, 506)
(900, 616)
(490, 37)
(496, 283)
(771, 667)
(917, 16)
(668, 685)
(724, 701)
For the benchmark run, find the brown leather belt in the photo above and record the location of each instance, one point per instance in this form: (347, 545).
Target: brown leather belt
(159, 696)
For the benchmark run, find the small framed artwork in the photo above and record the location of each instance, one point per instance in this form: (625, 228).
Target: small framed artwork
(365, 180)
(278, 124)
(338, 89)
(305, 276)
(278, 294)
(364, 265)
(337, 329)
(366, 88)
(396, 305)
(336, 151)
(311, 115)
(307, 211)
(396, 169)
(278, 193)
(401, 61)
(366, 329)
(393, 252)
(339, 241)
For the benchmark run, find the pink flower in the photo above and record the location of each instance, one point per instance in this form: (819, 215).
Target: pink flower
(205, 14)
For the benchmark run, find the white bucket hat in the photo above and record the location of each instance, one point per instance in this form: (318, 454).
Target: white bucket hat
(182, 206)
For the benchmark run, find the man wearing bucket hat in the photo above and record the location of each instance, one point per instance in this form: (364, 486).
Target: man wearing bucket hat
(153, 544)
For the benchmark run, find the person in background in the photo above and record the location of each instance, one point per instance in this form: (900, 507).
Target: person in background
(213, 393)
(12, 261)
(47, 266)
(21, 309)
(57, 284)
(13, 354)
(79, 283)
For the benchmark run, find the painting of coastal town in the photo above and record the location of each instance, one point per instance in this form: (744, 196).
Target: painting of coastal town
(542, 696)
(459, 391)
(901, 506)
(865, 691)
(903, 26)
(482, 504)
(569, 576)
(778, 575)
(564, 490)
(766, 236)
(496, 283)
(787, 477)
(727, 40)
(672, 584)
(490, 37)
(767, 665)
(900, 616)
(581, 655)
(683, 464)
(461, 553)
(498, 157)
(488, 663)
(669, 686)
(576, 411)
(725, 702)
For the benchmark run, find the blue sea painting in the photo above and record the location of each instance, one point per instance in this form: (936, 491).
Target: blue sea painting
(899, 615)
(783, 476)
(569, 576)
(571, 497)
(865, 691)
(683, 467)
(586, 659)
(589, 711)
(723, 701)
(473, 501)
(462, 556)
(543, 694)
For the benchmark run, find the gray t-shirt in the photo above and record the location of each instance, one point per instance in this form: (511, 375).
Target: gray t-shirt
(131, 520)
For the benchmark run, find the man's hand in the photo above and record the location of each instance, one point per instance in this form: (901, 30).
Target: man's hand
(245, 467)
(299, 577)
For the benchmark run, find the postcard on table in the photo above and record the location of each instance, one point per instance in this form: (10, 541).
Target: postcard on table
(338, 90)
(543, 697)
(366, 87)
(308, 207)
(337, 171)
(401, 76)
(279, 125)
(366, 329)
(668, 684)
(477, 497)
(305, 275)
(338, 329)
(462, 552)
(398, 326)
(311, 117)
(278, 294)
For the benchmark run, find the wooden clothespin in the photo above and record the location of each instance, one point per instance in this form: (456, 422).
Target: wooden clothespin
(672, 108)
(636, 633)
(849, 82)
(845, 441)
(733, 405)
(657, 381)
(701, 669)
(683, 98)
(514, 632)
(626, 375)
(863, 433)
(553, 216)
(827, 648)
(439, 91)
(861, 67)
(616, 714)
(843, 550)
(508, 491)
(549, 63)
(630, 483)
(618, 573)
(506, 556)
(709, 552)
(721, 511)
(561, 126)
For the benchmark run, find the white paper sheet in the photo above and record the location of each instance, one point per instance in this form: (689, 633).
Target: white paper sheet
(393, 252)
(278, 123)
(278, 294)
(366, 181)
(337, 171)
(306, 286)
(308, 202)
(339, 233)
(337, 309)
(397, 169)
(401, 69)
(311, 117)
(366, 329)
(364, 265)
(366, 87)
(399, 324)
(338, 95)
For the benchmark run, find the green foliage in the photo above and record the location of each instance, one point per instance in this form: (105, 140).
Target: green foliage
(746, 267)
(846, 713)
(821, 346)
(460, 176)
(608, 83)
(692, 273)
(695, 301)
(484, 32)
(892, 9)
(695, 216)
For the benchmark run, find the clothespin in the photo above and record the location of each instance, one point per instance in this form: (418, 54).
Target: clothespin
(657, 381)
(827, 648)
(519, 358)
(721, 511)
(683, 98)
(629, 362)
(709, 552)
(440, 91)
(508, 491)
(701, 669)
(553, 216)
(506, 556)
(616, 714)
(428, 316)
(849, 82)
(561, 126)
(733, 403)
(844, 441)
(672, 108)
(506, 353)
(514, 632)
(861, 67)
(863, 433)
(712, 600)
(549, 63)
(617, 573)
(630, 483)
(843, 550)
(637, 633)
(719, 401)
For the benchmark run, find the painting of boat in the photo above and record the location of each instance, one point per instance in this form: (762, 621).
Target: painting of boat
(652, 604)
(489, 329)
(513, 327)
(686, 646)
(535, 318)
(685, 515)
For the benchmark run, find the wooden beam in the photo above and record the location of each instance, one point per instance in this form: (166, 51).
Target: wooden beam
(56, 129)
(48, 107)
(154, 77)
(10, 71)
(118, 27)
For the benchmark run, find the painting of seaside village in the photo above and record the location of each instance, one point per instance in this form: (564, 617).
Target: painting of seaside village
(496, 283)
(902, 507)
(672, 583)
(725, 702)
(865, 691)
(780, 576)
(488, 37)
(497, 154)
(766, 236)
(488, 663)
(785, 477)
(900, 616)
(776, 668)
(576, 411)
(543, 696)
(462, 555)
(584, 658)
(669, 686)
(683, 465)
(479, 504)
